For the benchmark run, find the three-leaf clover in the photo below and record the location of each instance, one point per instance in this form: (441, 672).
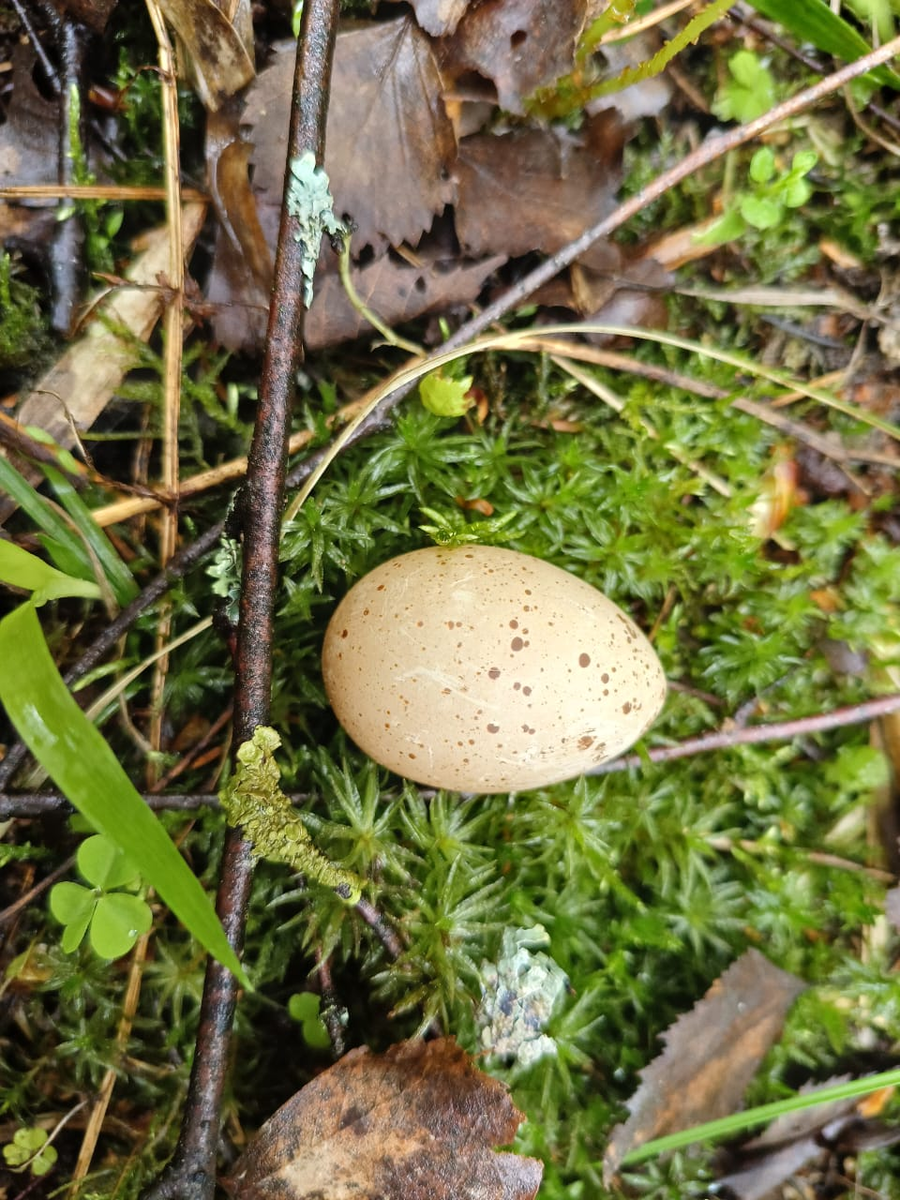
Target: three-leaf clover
(116, 919)
(29, 1149)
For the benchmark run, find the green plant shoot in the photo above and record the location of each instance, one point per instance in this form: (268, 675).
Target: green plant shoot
(84, 768)
(20, 569)
(253, 801)
(763, 203)
(446, 397)
(748, 93)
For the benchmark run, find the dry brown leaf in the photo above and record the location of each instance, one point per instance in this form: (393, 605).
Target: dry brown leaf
(389, 144)
(28, 136)
(396, 292)
(417, 1123)
(519, 44)
(439, 17)
(711, 1055)
(532, 190)
(221, 56)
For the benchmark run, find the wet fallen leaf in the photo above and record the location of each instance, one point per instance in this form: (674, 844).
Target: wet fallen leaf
(797, 1140)
(93, 13)
(396, 291)
(28, 152)
(220, 48)
(439, 17)
(534, 189)
(389, 142)
(520, 45)
(417, 1123)
(711, 1055)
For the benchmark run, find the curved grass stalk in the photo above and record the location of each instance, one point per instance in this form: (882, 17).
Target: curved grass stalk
(407, 376)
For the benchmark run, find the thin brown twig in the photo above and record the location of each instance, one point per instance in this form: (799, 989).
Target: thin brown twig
(34, 804)
(749, 735)
(192, 1170)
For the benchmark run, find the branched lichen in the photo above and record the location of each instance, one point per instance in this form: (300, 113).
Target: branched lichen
(253, 800)
(311, 203)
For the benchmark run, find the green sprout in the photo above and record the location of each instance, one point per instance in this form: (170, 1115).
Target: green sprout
(764, 202)
(303, 1007)
(115, 919)
(446, 397)
(748, 93)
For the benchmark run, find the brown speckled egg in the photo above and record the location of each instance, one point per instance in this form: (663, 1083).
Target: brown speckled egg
(479, 669)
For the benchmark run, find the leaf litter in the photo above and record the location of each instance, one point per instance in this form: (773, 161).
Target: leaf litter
(419, 1122)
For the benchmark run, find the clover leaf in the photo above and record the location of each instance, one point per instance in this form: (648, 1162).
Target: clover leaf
(115, 919)
(29, 1149)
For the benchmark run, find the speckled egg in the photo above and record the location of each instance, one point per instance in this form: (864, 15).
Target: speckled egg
(479, 669)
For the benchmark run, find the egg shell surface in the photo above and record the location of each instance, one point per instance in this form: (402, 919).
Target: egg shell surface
(480, 669)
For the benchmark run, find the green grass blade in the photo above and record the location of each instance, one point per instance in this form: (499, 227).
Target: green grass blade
(813, 21)
(738, 1122)
(24, 570)
(117, 574)
(83, 766)
(62, 544)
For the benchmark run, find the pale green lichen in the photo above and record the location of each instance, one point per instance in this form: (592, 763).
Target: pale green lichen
(519, 994)
(311, 204)
(254, 802)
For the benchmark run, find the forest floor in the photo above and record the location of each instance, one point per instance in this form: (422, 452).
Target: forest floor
(651, 301)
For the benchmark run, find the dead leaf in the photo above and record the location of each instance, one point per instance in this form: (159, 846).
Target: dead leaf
(711, 1055)
(389, 143)
(417, 1123)
(28, 136)
(396, 291)
(531, 190)
(220, 54)
(227, 162)
(519, 44)
(439, 17)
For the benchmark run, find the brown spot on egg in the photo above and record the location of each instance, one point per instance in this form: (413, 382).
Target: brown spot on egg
(585, 742)
(516, 644)
(494, 673)
(584, 660)
(493, 728)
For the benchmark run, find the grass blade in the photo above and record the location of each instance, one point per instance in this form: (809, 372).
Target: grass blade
(117, 574)
(813, 21)
(83, 766)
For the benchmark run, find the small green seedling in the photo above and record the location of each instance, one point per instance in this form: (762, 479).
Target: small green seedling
(115, 919)
(304, 1008)
(29, 1151)
(748, 93)
(762, 205)
(446, 397)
